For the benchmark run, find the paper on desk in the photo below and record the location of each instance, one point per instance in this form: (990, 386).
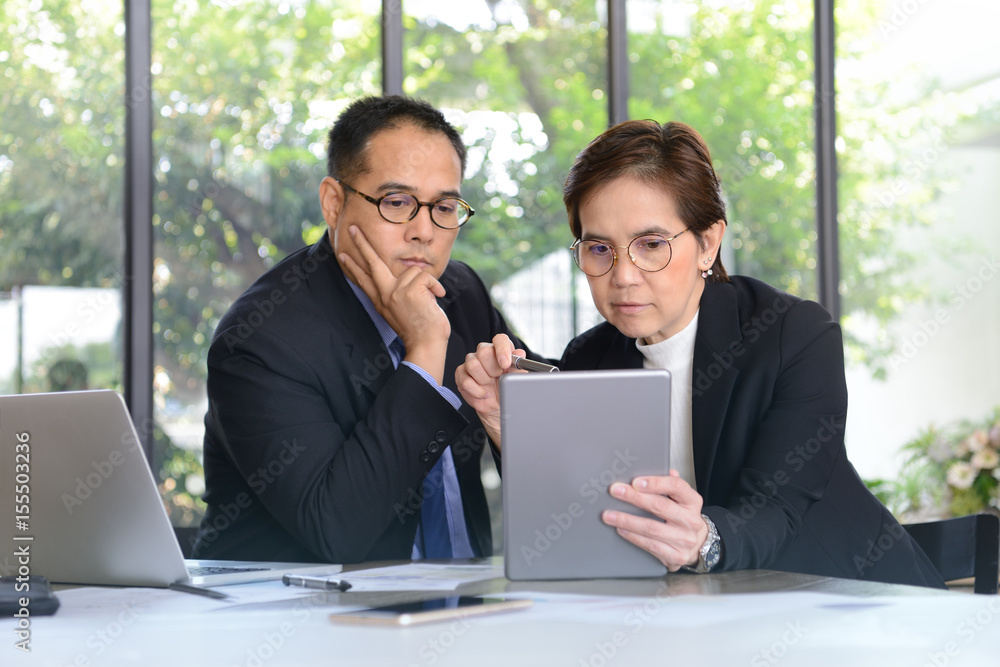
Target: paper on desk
(420, 577)
(159, 600)
(415, 576)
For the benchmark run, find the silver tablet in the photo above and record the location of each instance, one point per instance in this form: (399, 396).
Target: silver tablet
(566, 438)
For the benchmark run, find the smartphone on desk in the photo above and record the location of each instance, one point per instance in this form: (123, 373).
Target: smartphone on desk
(429, 611)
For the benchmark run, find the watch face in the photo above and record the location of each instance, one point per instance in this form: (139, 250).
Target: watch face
(712, 557)
(712, 549)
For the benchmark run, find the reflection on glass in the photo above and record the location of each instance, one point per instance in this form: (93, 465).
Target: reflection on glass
(919, 161)
(525, 84)
(741, 74)
(70, 338)
(61, 142)
(244, 94)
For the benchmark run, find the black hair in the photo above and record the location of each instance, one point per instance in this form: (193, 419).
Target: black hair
(348, 140)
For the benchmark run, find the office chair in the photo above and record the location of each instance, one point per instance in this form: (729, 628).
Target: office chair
(185, 538)
(966, 546)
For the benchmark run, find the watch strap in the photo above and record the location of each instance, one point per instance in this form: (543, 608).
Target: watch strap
(711, 550)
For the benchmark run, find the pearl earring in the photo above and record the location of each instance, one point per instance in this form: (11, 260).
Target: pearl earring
(706, 274)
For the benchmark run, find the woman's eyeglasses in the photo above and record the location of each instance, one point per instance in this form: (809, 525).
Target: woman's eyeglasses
(650, 252)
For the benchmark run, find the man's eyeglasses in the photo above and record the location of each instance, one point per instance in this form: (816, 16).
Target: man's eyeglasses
(400, 207)
(650, 252)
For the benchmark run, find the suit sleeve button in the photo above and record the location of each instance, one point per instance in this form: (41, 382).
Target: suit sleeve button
(425, 456)
(440, 436)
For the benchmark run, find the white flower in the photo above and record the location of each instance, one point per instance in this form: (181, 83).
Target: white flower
(995, 436)
(977, 441)
(962, 448)
(960, 475)
(985, 459)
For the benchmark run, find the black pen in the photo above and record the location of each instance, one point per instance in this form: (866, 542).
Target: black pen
(530, 365)
(196, 590)
(319, 583)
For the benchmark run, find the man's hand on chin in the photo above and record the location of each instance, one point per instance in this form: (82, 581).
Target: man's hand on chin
(408, 302)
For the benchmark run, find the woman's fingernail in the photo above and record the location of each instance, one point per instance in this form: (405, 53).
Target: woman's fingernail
(618, 489)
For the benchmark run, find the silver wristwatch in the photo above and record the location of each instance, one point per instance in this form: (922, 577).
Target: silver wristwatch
(710, 552)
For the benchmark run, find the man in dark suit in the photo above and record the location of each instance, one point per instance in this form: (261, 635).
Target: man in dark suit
(334, 432)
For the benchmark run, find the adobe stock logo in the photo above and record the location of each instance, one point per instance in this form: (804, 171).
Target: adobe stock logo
(968, 629)
(264, 308)
(961, 294)
(469, 445)
(88, 484)
(563, 521)
(899, 15)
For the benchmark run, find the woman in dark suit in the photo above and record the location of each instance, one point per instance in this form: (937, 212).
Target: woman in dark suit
(759, 398)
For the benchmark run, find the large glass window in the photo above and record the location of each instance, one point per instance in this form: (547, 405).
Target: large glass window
(244, 95)
(61, 159)
(919, 154)
(741, 74)
(525, 81)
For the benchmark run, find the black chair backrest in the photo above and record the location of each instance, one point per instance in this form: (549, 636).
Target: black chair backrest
(185, 538)
(966, 546)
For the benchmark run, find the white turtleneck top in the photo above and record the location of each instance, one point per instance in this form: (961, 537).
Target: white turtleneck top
(676, 354)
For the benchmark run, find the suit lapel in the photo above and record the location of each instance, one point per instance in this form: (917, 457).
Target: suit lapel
(714, 375)
(621, 353)
(457, 347)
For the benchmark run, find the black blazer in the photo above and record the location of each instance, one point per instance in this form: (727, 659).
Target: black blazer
(315, 446)
(768, 411)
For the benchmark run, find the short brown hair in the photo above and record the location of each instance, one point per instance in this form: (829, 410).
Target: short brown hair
(672, 157)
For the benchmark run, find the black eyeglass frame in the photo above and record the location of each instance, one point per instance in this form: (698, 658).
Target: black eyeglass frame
(430, 206)
(628, 251)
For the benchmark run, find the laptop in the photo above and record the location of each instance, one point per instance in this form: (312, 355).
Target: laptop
(566, 438)
(80, 505)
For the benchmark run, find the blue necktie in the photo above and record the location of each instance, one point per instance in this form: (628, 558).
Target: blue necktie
(433, 517)
(433, 512)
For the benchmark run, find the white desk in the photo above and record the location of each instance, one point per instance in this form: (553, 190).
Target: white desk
(755, 618)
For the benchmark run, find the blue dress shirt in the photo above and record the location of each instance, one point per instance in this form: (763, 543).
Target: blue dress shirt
(461, 547)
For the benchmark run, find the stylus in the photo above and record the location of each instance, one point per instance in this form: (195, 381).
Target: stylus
(319, 583)
(531, 365)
